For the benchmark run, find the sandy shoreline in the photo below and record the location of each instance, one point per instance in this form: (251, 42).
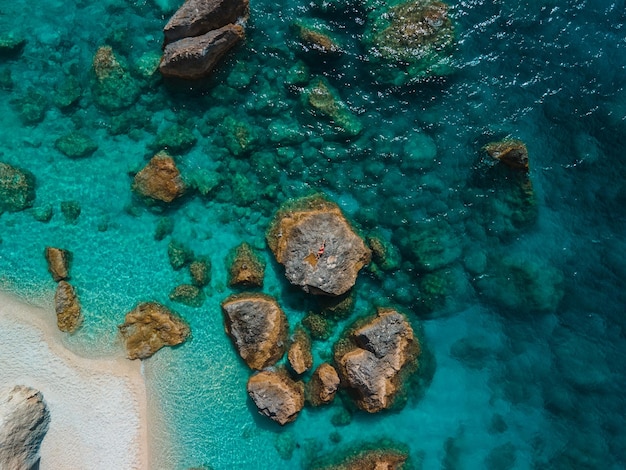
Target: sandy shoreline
(98, 407)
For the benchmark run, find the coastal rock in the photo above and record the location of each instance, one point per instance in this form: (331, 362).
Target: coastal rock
(318, 247)
(371, 362)
(67, 307)
(276, 395)
(159, 180)
(58, 262)
(323, 385)
(197, 17)
(149, 327)
(195, 57)
(299, 353)
(24, 421)
(258, 327)
(17, 188)
(246, 269)
(512, 153)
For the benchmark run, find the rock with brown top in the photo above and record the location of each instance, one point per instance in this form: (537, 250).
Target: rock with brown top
(197, 17)
(299, 353)
(149, 327)
(24, 422)
(317, 245)
(195, 57)
(58, 262)
(374, 358)
(159, 180)
(511, 152)
(276, 395)
(323, 385)
(246, 268)
(257, 326)
(67, 307)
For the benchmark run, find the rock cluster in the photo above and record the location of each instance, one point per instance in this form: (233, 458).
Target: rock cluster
(66, 303)
(318, 246)
(199, 34)
(149, 327)
(258, 327)
(17, 188)
(373, 358)
(159, 180)
(24, 421)
(276, 395)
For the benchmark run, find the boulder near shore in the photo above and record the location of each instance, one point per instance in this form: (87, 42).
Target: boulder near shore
(276, 395)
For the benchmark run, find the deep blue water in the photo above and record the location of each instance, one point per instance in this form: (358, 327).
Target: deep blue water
(523, 317)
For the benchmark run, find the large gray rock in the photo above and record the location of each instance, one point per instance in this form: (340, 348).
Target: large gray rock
(276, 395)
(24, 421)
(197, 17)
(372, 362)
(317, 245)
(258, 327)
(195, 57)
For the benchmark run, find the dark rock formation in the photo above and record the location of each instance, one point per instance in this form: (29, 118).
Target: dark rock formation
(149, 327)
(67, 307)
(246, 268)
(258, 328)
(24, 421)
(199, 34)
(276, 395)
(195, 57)
(299, 354)
(17, 188)
(188, 294)
(159, 180)
(372, 360)
(323, 385)
(58, 262)
(197, 17)
(511, 152)
(318, 247)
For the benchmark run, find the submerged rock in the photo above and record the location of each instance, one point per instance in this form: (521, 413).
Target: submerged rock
(195, 57)
(258, 328)
(113, 88)
(159, 180)
(372, 360)
(317, 245)
(512, 153)
(178, 254)
(299, 354)
(188, 294)
(197, 17)
(24, 421)
(317, 36)
(323, 385)
(67, 307)
(71, 211)
(370, 457)
(76, 145)
(58, 262)
(149, 327)
(17, 188)
(246, 268)
(324, 99)
(200, 270)
(276, 395)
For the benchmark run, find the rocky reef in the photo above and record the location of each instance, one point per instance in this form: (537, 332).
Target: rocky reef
(159, 180)
(67, 307)
(276, 395)
(199, 34)
(317, 245)
(24, 422)
(383, 455)
(17, 188)
(149, 327)
(374, 358)
(257, 326)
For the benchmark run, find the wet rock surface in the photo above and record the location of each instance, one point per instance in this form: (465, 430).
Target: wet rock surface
(323, 385)
(24, 421)
(276, 395)
(318, 246)
(67, 307)
(258, 328)
(299, 354)
(58, 262)
(372, 359)
(149, 327)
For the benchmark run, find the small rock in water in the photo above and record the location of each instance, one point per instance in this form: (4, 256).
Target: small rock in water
(299, 354)
(179, 255)
(510, 152)
(76, 145)
(188, 294)
(24, 422)
(17, 188)
(276, 395)
(67, 307)
(246, 268)
(70, 210)
(200, 270)
(324, 99)
(58, 262)
(159, 180)
(149, 327)
(323, 385)
(43, 213)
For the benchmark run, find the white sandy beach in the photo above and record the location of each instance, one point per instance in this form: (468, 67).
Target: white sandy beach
(97, 406)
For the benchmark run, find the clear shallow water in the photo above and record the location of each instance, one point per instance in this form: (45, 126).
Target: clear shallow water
(528, 362)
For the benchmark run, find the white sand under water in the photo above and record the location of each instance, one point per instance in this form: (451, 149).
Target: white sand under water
(97, 406)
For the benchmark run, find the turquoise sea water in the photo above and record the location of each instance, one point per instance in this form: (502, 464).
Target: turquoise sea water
(523, 316)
